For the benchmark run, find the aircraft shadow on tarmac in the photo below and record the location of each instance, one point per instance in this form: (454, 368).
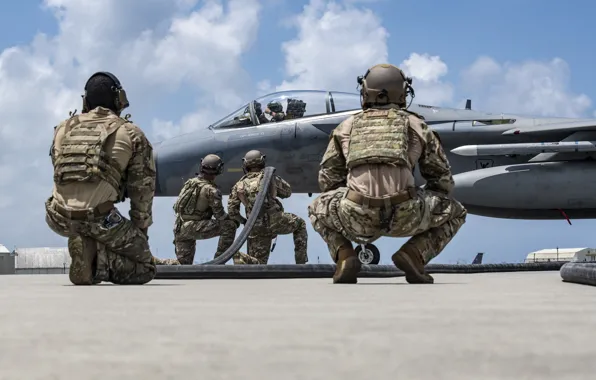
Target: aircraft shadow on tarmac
(109, 284)
(405, 283)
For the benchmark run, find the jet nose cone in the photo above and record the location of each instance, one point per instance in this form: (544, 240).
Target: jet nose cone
(178, 159)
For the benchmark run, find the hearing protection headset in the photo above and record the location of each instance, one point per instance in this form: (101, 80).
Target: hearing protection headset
(120, 99)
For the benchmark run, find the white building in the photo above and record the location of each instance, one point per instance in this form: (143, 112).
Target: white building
(562, 254)
(6, 261)
(43, 260)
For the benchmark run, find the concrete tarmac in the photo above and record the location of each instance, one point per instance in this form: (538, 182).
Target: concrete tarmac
(481, 326)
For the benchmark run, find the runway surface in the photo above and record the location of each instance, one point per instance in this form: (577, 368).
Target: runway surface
(527, 325)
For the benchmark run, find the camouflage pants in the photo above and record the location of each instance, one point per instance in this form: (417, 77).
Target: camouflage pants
(431, 219)
(123, 254)
(186, 234)
(280, 223)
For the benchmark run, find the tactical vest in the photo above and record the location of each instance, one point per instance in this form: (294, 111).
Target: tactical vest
(82, 156)
(379, 136)
(192, 203)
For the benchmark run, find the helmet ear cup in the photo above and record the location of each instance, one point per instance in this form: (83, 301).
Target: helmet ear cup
(121, 101)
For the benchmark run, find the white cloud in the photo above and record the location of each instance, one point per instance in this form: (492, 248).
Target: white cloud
(334, 44)
(531, 87)
(153, 46)
(426, 71)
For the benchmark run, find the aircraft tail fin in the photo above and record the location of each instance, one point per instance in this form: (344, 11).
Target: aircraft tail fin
(469, 104)
(478, 258)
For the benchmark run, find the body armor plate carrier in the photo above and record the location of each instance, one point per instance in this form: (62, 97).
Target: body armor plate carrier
(379, 136)
(82, 156)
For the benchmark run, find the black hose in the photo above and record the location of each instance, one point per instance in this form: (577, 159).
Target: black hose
(214, 268)
(259, 201)
(202, 271)
(579, 273)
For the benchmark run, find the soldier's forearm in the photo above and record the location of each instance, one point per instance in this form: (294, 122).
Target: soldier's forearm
(219, 213)
(442, 185)
(234, 213)
(331, 179)
(140, 213)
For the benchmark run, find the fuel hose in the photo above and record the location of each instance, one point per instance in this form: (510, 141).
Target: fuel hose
(579, 273)
(215, 269)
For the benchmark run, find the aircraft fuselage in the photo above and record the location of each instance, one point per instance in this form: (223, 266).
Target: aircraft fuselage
(517, 186)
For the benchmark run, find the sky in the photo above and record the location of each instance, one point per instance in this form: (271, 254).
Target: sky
(187, 63)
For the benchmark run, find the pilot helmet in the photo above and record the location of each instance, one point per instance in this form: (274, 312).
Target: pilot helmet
(275, 107)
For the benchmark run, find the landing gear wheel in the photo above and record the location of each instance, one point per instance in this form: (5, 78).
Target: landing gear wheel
(370, 255)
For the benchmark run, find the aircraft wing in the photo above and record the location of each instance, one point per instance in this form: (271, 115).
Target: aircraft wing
(570, 126)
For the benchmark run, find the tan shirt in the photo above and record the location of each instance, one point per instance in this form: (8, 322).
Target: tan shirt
(378, 180)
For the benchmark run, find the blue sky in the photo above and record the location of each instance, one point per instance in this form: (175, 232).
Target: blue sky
(171, 94)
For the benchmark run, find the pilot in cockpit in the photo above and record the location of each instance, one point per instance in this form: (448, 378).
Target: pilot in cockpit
(259, 113)
(276, 110)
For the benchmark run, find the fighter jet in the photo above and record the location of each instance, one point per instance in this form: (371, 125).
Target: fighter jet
(504, 165)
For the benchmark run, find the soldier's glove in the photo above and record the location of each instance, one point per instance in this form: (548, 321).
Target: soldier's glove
(243, 221)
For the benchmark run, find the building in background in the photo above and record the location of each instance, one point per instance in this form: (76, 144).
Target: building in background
(44, 260)
(6, 261)
(562, 254)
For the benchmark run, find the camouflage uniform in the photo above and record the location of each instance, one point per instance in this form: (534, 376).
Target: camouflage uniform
(200, 199)
(97, 158)
(274, 220)
(242, 258)
(367, 184)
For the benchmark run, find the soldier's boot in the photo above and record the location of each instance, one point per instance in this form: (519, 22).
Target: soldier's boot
(83, 253)
(348, 266)
(411, 262)
(158, 261)
(241, 258)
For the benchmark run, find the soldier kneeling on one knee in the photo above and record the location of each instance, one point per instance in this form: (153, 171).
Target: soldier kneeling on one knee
(273, 220)
(99, 158)
(200, 214)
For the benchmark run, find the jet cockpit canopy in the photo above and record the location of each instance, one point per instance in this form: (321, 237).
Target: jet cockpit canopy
(289, 105)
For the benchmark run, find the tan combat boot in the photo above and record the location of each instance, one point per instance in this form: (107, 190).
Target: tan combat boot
(158, 261)
(348, 266)
(241, 258)
(411, 262)
(83, 253)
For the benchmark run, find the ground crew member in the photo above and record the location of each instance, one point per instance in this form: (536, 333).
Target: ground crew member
(367, 183)
(99, 159)
(199, 201)
(274, 221)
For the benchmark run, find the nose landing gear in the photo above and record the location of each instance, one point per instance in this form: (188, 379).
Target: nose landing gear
(368, 254)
